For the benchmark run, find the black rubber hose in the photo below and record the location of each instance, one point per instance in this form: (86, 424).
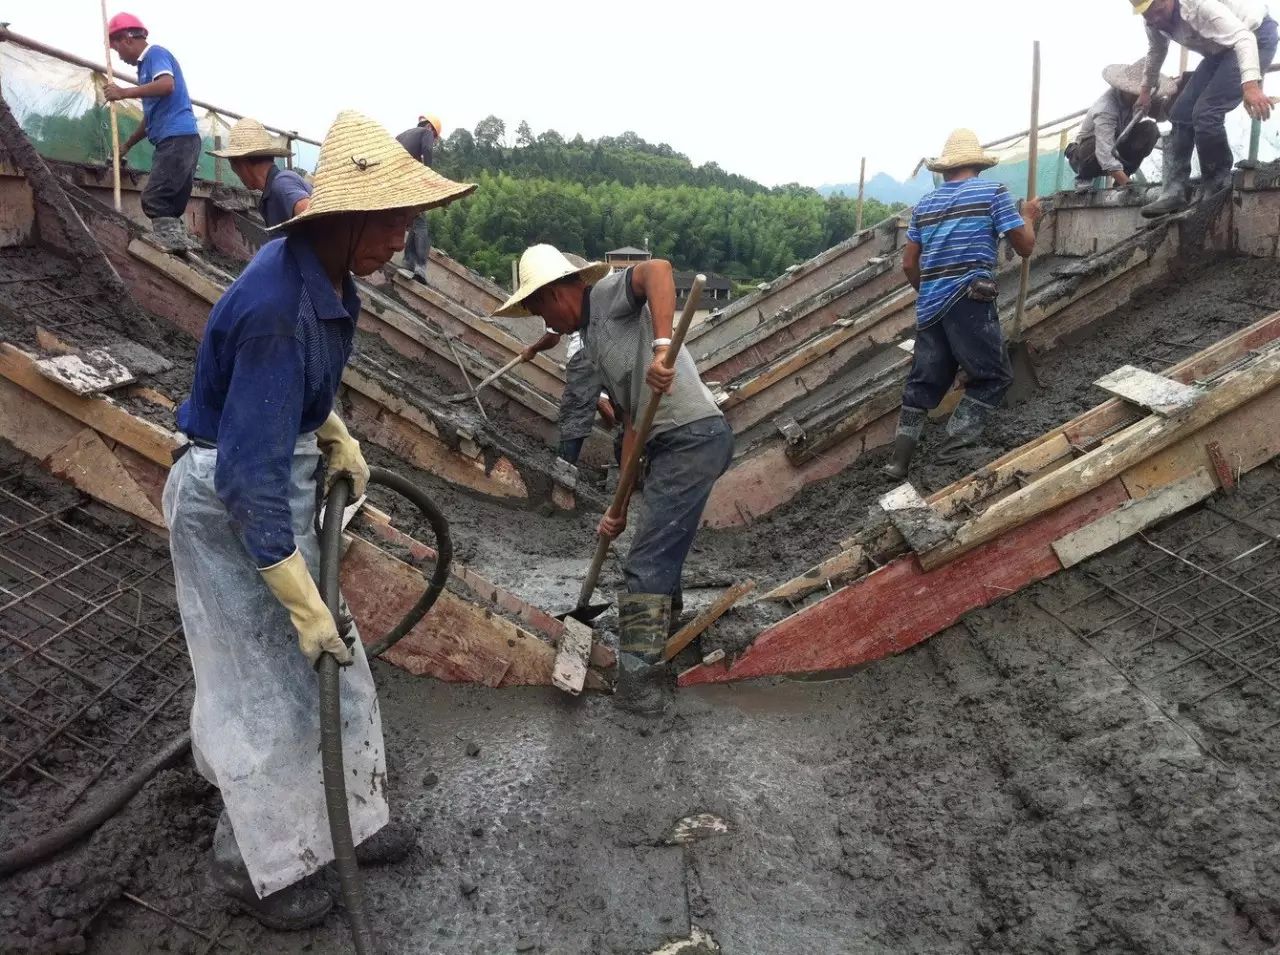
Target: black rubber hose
(94, 815)
(444, 554)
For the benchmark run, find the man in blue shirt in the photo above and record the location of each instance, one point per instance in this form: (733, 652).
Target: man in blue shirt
(240, 507)
(167, 121)
(252, 154)
(950, 259)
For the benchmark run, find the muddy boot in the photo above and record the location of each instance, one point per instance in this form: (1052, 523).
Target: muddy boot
(910, 427)
(643, 681)
(1217, 163)
(420, 275)
(189, 238)
(1175, 196)
(295, 907)
(167, 235)
(388, 845)
(964, 428)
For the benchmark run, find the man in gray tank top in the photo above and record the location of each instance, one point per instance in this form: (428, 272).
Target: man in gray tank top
(626, 319)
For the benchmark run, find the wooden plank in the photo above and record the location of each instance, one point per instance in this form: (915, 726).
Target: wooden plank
(179, 271)
(88, 464)
(570, 670)
(1132, 517)
(902, 604)
(1137, 443)
(99, 413)
(831, 570)
(94, 372)
(919, 524)
(1156, 393)
(456, 641)
(698, 625)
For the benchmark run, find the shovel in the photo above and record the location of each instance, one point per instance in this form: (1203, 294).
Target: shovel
(586, 611)
(468, 395)
(1025, 380)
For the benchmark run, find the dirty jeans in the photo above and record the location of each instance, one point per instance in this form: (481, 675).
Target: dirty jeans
(1131, 151)
(1211, 93)
(172, 177)
(255, 726)
(967, 336)
(417, 246)
(578, 405)
(684, 464)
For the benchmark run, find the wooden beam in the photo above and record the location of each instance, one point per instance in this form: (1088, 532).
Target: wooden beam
(698, 625)
(901, 604)
(99, 413)
(570, 670)
(1137, 443)
(1155, 393)
(1132, 517)
(832, 428)
(88, 464)
(832, 570)
(176, 269)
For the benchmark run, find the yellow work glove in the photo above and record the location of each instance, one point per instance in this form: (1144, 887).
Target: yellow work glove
(342, 454)
(291, 582)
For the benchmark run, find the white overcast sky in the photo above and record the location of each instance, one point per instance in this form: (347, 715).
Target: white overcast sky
(791, 91)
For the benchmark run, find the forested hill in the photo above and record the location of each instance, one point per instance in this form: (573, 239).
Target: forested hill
(590, 196)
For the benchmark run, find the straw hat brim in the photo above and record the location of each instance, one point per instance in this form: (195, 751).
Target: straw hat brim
(591, 273)
(1128, 78)
(266, 152)
(979, 160)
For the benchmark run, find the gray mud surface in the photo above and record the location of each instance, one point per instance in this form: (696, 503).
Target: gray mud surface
(1000, 788)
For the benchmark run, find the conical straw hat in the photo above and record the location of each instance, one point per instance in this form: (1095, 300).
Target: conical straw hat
(249, 138)
(540, 265)
(962, 150)
(362, 169)
(1129, 77)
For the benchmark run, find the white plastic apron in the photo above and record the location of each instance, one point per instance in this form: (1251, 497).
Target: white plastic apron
(255, 723)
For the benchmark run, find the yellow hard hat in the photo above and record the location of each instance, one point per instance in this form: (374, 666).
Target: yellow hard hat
(1140, 6)
(439, 126)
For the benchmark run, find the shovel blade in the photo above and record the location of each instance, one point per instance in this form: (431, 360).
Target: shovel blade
(1025, 380)
(585, 613)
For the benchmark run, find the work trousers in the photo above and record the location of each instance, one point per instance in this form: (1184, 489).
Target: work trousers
(173, 171)
(417, 246)
(683, 465)
(967, 336)
(578, 405)
(1211, 93)
(1131, 151)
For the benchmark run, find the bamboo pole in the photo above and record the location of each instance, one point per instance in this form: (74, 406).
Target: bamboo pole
(862, 183)
(115, 122)
(1033, 159)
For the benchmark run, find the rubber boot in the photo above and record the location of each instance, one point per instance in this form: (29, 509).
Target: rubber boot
(388, 845)
(910, 427)
(293, 908)
(1217, 163)
(964, 428)
(643, 624)
(1174, 197)
(167, 234)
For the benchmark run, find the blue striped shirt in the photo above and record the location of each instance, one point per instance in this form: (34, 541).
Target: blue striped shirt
(957, 227)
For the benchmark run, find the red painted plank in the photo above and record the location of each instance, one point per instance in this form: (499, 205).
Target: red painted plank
(901, 605)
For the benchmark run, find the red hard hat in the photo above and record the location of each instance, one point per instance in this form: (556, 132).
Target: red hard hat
(124, 21)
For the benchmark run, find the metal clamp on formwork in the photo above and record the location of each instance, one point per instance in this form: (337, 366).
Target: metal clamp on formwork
(792, 432)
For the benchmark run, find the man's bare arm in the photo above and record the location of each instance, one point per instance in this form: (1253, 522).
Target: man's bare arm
(911, 263)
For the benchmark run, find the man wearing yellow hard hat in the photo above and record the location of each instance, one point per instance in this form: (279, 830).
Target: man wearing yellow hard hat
(1237, 39)
(420, 142)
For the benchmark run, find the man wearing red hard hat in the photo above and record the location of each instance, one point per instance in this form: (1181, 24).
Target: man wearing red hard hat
(167, 121)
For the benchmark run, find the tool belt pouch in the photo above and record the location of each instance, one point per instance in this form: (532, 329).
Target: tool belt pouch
(983, 290)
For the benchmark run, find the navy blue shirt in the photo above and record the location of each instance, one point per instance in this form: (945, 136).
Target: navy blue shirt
(283, 190)
(267, 371)
(165, 116)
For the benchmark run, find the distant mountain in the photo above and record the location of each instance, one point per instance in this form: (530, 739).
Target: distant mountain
(885, 188)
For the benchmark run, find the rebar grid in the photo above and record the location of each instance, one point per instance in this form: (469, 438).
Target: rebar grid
(27, 286)
(91, 662)
(1193, 609)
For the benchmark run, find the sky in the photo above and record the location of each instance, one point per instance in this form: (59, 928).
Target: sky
(781, 92)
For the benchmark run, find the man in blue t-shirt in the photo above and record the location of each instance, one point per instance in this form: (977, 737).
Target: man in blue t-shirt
(167, 121)
(950, 259)
(252, 154)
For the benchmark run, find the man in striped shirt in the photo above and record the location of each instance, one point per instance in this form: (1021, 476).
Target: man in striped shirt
(950, 259)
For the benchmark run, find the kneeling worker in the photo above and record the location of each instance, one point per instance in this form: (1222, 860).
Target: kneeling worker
(252, 154)
(240, 504)
(626, 319)
(950, 259)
